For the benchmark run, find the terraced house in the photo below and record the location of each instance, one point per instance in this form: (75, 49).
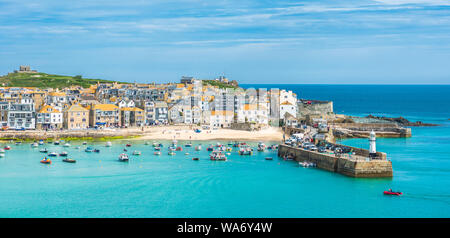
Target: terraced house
(105, 115)
(49, 118)
(132, 116)
(76, 117)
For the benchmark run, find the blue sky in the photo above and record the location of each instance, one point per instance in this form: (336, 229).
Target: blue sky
(252, 41)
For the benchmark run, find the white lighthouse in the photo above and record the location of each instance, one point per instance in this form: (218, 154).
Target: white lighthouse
(373, 144)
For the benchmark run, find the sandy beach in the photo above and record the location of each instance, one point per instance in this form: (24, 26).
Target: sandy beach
(186, 133)
(150, 133)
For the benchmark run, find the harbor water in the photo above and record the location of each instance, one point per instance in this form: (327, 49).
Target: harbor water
(98, 185)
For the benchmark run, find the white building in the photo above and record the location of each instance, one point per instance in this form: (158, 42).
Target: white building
(22, 115)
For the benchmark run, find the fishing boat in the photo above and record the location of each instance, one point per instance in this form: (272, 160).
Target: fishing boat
(77, 148)
(2, 155)
(67, 160)
(157, 153)
(174, 142)
(56, 142)
(43, 150)
(261, 147)
(89, 149)
(236, 144)
(155, 144)
(128, 145)
(198, 148)
(41, 142)
(217, 156)
(179, 148)
(53, 154)
(187, 153)
(136, 152)
(229, 149)
(123, 157)
(210, 148)
(269, 158)
(7, 147)
(146, 143)
(108, 144)
(66, 145)
(245, 150)
(64, 153)
(194, 158)
(34, 145)
(171, 153)
(390, 192)
(218, 144)
(2, 151)
(18, 142)
(84, 143)
(157, 148)
(96, 150)
(46, 161)
(188, 145)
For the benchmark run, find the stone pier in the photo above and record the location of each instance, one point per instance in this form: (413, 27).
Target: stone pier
(357, 165)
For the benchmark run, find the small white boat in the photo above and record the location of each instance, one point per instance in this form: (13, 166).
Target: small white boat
(53, 154)
(157, 153)
(2, 155)
(187, 153)
(2, 151)
(66, 145)
(198, 148)
(171, 153)
(34, 145)
(64, 153)
(84, 143)
(123, 157)
(41, 142)
(155, 144)
(136, 152)
(108, 144)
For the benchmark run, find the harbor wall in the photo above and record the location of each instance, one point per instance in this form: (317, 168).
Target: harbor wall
(345, 166)
(362, 130)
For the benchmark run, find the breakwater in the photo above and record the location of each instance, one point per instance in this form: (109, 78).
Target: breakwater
(357, 165)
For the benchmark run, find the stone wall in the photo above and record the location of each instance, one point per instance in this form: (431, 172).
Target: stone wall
(315, 108)
(352, 168)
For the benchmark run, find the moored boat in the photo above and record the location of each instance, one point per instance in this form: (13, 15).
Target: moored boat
(108, 144)
(66, 145)
(46, 161)
(56, 142)
(195, 158)
(261, 147)
(53, 154)
(198, 147)
(7, 147)
(64, 153)
(157, 148)
(217, 155)
(43, 150)
(84, 143)
(41, 142)
(89, 149)
(245, 150)
(67, 160)
(188, 145)
(179, 148)
(269, 158)
(128, 145)
(34, 145)
(136, 152)
(157, 153)
(171, 153)
(18, 142)
(123, 157)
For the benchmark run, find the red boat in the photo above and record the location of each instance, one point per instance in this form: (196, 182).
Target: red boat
(128, 145)
(390, 192)
(179, 148)
(7, 147)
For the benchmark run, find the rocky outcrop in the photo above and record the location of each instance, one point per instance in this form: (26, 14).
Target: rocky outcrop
(401, 121)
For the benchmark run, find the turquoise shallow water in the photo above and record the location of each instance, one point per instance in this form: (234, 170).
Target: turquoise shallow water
(175, 186)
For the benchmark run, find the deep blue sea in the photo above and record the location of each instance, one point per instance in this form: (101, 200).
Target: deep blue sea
(175, 186)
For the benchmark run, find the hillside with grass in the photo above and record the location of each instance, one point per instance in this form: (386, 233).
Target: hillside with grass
(43, 80)
(219, 84)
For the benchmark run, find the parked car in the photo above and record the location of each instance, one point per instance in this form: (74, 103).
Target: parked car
(321, 149)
